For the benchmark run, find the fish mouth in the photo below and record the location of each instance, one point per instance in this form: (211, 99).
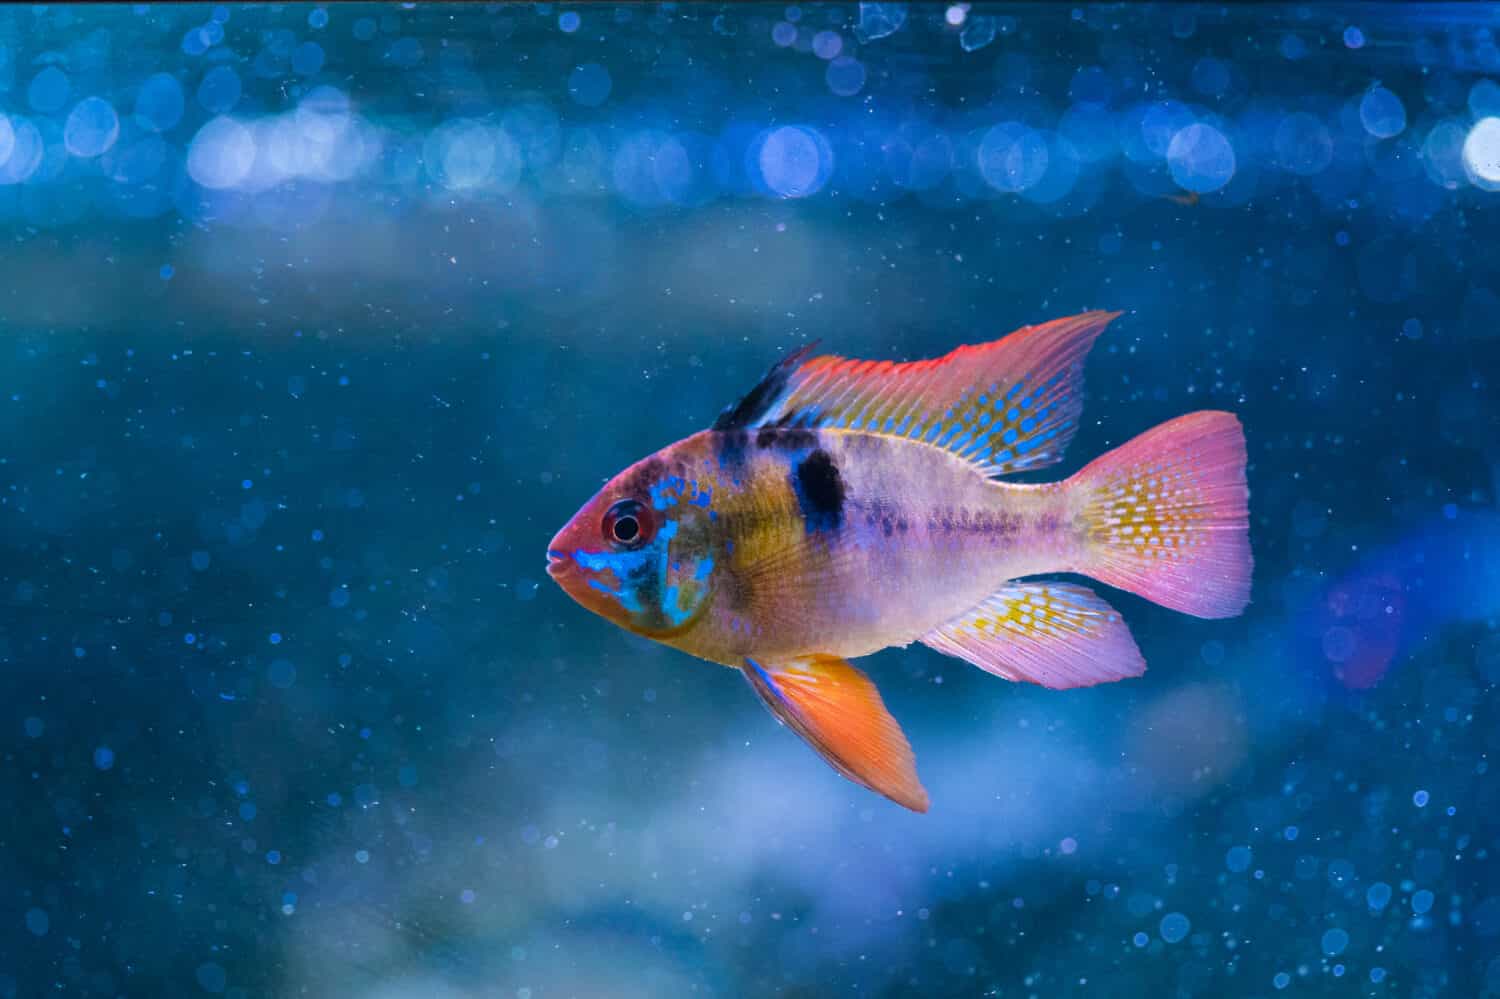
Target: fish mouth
(557, 562)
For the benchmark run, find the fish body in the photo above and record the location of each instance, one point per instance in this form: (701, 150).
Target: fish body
(843, 507)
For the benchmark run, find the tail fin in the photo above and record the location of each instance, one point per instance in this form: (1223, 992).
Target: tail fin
(1168, 518)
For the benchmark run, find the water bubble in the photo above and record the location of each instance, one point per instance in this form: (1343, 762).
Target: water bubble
(1238, 858)
(827, 44)
(221, 154)
(878, 20)
(362, 856)
(1378, 895)
(219, 91)
(282, 673)
(211, 977)
(318, 19)
(1140, 940)
(159, 103)
(1012, 157)
(1421, 902)
(1200, 158)
(795, 161)
(1334, 941)
(978, 33)
(783, 34)
(1354, 38)
(37, 922)
(92, 128)
(1303, 144)
(1211, 76)
(845, 76)
(589, 85)
(104, 758)
(568, 22)
(308, 59)
(1420, 799)
(1174, 926)
(1382, 113)
(1481, 154)
(48, 90)
(1281, 980)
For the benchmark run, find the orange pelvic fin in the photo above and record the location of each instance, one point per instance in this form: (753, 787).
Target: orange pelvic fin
(839, 712)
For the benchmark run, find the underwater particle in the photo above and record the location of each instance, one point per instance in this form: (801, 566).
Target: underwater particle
(308, 59)
(1174, 926)
(199, 560)
(1420, 799)
(879, 20)
(589, 85)
(1421, 902)
(1281, 980)
(1238, 858)
(1378, 895)
(318, 19)
(1140, 940)
(1412, 329)
(362, 856)
(34, 727)
(282, 673)
(1382, 113)
(1377, 975)
(48, 90)
(1068, 846)
(1354, 38)
(211, 977)
(364, 29)
(104, 758)
(1293, 47)
(1481, 154)
(845, 76)
(827, 44)
(466, 896)
(1290, 833)
(1200, 158)
(783, 34)
(92, 128)
(273, 857)
(159, 103)
(37, 922)
(956, 14)
(221, 154)
(1334, 942)
(275, 638)
(568, 21)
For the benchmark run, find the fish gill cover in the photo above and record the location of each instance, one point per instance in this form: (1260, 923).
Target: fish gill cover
(316, 320)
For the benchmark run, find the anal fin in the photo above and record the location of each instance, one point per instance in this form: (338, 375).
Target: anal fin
(837, 709)
(1054, 634)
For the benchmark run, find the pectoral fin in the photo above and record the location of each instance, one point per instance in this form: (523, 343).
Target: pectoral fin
(839, 712)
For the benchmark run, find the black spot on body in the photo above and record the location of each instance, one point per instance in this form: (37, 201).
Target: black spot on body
(730, 448)
(820, 492)
(792, 440)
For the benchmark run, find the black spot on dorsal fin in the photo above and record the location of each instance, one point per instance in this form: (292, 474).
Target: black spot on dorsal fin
(759, 400)
(820, 492)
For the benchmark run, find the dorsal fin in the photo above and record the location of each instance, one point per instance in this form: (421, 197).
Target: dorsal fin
(1007, 406)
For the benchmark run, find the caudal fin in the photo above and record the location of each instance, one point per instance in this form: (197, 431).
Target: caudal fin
(1168, 515)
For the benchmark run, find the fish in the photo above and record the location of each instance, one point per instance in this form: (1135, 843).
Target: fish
(842, 507)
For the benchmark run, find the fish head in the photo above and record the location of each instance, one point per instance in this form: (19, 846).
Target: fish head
(642, 552)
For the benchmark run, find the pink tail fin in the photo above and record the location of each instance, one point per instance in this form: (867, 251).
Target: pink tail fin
(1168, 515)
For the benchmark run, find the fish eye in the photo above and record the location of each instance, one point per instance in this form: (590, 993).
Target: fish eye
(627, 524)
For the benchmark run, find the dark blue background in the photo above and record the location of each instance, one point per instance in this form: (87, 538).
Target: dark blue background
(308, 348)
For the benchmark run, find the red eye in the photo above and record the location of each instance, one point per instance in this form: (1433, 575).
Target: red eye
(628, 524)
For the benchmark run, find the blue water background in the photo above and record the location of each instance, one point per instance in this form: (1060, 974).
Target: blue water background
(316, 323)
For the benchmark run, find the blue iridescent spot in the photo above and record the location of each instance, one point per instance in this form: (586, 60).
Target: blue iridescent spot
(1012, 415)
(1028, 425)
(1009, 437)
